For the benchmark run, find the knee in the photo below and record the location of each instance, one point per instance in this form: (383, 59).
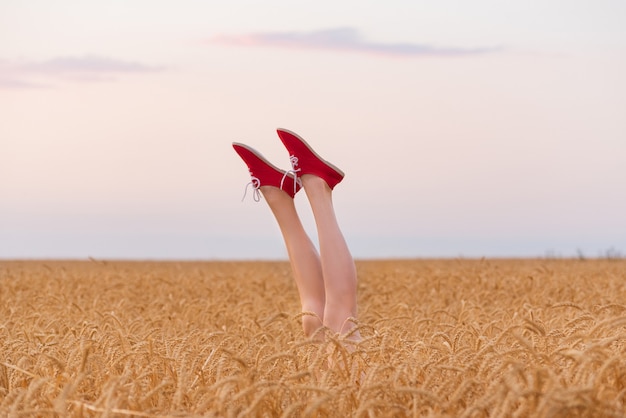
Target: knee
(310, 324)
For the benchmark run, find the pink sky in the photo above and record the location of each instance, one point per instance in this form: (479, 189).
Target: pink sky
(459, 135)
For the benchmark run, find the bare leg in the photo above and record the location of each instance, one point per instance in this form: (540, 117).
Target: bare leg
(305, 261)
(338, 267)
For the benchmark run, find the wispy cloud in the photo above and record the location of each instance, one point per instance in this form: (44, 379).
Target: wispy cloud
(342, 39)
(8, 83)
(90, 68)
(88, 64)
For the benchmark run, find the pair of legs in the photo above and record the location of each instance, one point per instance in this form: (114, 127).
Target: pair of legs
(327, 280)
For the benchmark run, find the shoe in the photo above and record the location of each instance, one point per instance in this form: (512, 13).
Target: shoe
(306, 161)
(264, 173)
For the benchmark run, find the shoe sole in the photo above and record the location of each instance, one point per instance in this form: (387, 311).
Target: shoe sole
(259, 156)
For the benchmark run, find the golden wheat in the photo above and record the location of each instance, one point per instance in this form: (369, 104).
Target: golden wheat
(442, 338)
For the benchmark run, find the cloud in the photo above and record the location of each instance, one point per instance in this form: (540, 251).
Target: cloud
(88, 64)
(91, 68)
(342, 39)
(10, 84)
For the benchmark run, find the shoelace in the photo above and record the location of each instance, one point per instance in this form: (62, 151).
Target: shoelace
(294, 171)
(256, 185)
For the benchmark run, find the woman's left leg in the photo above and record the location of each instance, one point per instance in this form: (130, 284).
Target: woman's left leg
(303, 256)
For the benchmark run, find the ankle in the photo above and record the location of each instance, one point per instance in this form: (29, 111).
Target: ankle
(313, 182)
(312, 327)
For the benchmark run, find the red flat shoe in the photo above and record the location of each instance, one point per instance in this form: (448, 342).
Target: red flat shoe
(306, 161)
(264, 173)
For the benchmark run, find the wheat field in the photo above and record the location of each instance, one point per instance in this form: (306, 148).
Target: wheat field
(441, 338)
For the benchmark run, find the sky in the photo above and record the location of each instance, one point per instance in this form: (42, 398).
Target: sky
(466, 129)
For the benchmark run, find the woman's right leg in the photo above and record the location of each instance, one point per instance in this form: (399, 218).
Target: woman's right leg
(339, 271)
(318, 178)
(303, 256)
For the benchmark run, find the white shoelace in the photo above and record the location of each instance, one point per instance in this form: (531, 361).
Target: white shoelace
(296, 181)
(256, 185)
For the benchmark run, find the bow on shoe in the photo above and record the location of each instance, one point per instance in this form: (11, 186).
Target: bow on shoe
(256, 186)
(296, 181)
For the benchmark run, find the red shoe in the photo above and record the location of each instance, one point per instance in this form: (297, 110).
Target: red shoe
(264, 173)
(306, 161)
